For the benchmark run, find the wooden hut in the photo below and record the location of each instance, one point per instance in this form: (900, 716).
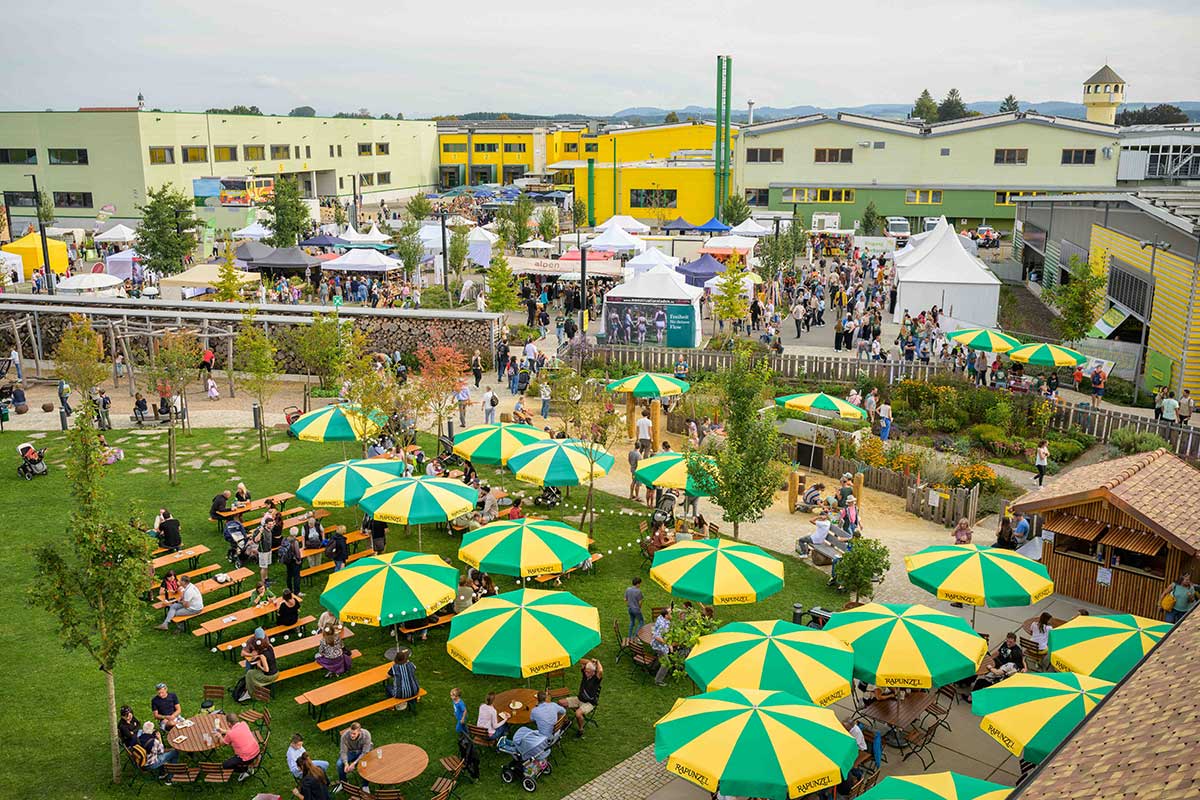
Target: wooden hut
(1118, 533)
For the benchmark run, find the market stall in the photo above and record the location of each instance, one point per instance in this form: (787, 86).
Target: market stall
(124, 265)
(255, 231)
(749, 227)
(945, 275)
(730, 244)
(697, 272)
(362, 261)
(617, 240)
(29, 248)
(655, 307)
(479, 246)
(119, 233)
(831, 243)
(91, 284)
(652, 257)
(201, 279)
(625, 223)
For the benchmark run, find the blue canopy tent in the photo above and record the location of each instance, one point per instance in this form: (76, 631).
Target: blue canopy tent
(324, 240)
(714, 225)
(678, 224)
(702, 269)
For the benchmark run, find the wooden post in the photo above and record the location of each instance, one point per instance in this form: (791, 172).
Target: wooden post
(112, 349)
(656, 424)
(631, 415)
(229, 360)
(793, 490)
(858, 490)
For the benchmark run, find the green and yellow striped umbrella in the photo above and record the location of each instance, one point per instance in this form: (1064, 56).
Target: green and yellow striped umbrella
(908, 646)
(1105, 647)
(523, 633)
(984, 339)
(495, 444)
(341, 422)
(717, 571)
(560, 462)
(344, 483)
(979, 575)
(754, 743)
(773, 655)
(936, 786)
(390, 589)
(419, 500)
(1030, 713)
(819, 401)
(1047, 355)
(649, 384)
(670, 471)
(524, 547)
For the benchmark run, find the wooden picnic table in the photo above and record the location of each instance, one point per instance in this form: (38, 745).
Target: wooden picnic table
(899, 714)
(519, 716)
(193, 735)
(315, 698)
(301, 645)
(1055, 622)
(211, 585)
(353, 539)
(390, 764)
(255, 505)
(191, 555)
(221, 624)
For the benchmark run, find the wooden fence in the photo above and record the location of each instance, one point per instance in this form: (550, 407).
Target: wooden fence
(943, 506)
(880, 479)
(1184, 440)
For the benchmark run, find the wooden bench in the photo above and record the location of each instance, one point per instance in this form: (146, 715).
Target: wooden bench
(325, 566)
(211, 585)
(289, 515)
(296, 646)
(353, 540)
(234, 644)
(318, 697)
(218, 626)
(305, 668)
(594, 557)
(823, 554)
(148, 419)
(191, 554)
(223, 603)
(443, 619)
(331, 725)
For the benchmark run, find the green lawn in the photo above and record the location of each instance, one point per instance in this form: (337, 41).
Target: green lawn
(53, 715)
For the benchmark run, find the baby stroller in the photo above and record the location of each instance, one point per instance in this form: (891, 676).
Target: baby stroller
(523, 378)
(664, 509)
(549, 498)
(290, 415)
(240, 544)
(530, 752)
(32, 461)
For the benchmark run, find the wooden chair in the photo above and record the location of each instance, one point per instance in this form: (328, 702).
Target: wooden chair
(590, 719)
(558, 694)
(561, 674)
(647, 555)
(211, 772)
(442, 789)
(622, 641)
(214, 693)
(646, 661)
(1035, 657)
(453, 766)
(385, 794)
(916, 743)
(181, 774)
(558, 735)
(480, 737)
(141, 776)
(940, 710)
(264, 739)
(353, 792)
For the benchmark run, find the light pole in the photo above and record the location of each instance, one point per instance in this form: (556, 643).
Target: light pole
(37, 205)
(445, 253)
(583, 298)
(1154, 246)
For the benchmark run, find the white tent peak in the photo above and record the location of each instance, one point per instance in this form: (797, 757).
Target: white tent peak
(535, 244)
(749, 227)
(117, 233)
(254, 231)
(625, 223)
(374, 236)
(617, 239)
(362, 260)
(482, 236)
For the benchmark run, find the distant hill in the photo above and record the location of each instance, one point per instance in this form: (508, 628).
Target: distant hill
(1057, 108)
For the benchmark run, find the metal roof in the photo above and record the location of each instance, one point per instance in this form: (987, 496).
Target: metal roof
(1177, 206)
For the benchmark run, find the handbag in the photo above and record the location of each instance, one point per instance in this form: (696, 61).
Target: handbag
(1168, 600)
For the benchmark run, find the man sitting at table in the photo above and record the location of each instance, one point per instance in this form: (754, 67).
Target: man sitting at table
(354, 744)
(244, 744)
(168, 532)
(585, 702)
(1007, 660)
(165, 706)
(156, 754)
(294, 751)
(190, 602)
(220, 504)
(491, 507)
(545, 715)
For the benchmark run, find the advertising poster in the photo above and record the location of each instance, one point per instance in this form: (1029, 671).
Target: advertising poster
(648, 321)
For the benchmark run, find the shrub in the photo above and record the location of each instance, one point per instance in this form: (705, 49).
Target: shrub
(1000, 415)
(870, 451)
(866, 561)
(976, 402)
(973, 473)
(1064, 450)
(985, 434)
(1130, 441)
(435, 297)
(945, 424)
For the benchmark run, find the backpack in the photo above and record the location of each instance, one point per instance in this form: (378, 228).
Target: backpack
(313, 538)
(288, 553)
(331, 549)
(495, 401)
(139, 756)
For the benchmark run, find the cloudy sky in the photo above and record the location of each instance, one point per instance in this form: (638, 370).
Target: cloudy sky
(424, 58)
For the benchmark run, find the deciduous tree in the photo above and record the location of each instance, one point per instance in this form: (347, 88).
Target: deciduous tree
(514, 221)
(257, 369)
(501, 296)
(547, 224)
(368, 387)
(166, 234)
(319, 346)
(173, 364)
(419, 207)
(1078, 300)
(670, 118)
(729, 302)
(79, 357)
(228, 284)
(459, 249)
(409, 248)
(866, 560)
(443, 371)
(287, 216)
(579, 213)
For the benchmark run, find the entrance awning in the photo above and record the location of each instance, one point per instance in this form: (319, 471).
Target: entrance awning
(1109, 321)
(1134, 541)
(1071, 525)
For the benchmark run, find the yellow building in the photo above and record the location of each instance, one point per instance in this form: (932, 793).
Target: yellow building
(501, 151)
(1103, 93)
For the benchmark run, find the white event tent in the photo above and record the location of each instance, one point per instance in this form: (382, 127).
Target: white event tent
(117, 233)
(652, 257)
(255, 231)
(375, 236)
(749, 227)
(943, 274)
(908, 254)
(121, 264)
(617, 240)
(94, 284)
(479, 246)
(362, 260)
(625, 223)
(431, 238)
(670, 307)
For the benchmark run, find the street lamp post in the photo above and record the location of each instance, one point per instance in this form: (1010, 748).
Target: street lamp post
(37, 205)
(1154, 246)
(583, 297)
(445, 253)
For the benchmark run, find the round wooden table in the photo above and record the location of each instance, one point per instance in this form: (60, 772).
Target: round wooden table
(193, 741)
(393, 763)
(646, 633)
(526, 697)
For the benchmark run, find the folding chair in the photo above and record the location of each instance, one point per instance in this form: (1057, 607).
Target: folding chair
(622, 641)
(443, 789)
(917, 743)
(940, 710)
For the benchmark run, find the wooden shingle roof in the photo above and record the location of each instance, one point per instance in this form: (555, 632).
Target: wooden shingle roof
(1159, 489)
(1142, 742)
(1105, 75)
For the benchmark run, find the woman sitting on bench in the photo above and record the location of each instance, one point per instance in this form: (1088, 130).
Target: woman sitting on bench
(811, 498)
(402, 679)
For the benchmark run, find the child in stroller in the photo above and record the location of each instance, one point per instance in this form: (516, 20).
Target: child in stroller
(549, 498)
(33, 462)
(530, 752)
(240, 543)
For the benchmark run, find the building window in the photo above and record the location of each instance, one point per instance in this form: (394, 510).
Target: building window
(1011, 156)
(818, 195)
(514, 147)
(281, 152)
(923, 197)
(308, 151)
(1078, 156)
(254, 152)
(486, 147)
(162, 155)
(364, 148)
(20, 199)
(878, 145)
(1107, 88)
(331, 151)
(945, 151)
(1006, 198)
(591, 147)
(652, 198)
(194, 155)
(833, 155)
(224, 152)
(72, 199)
(339, 151)
(382, 148)
(571, 147)
(383, 178)
(454, 147)
(758, 197)
(341, 183)
(366, 179)
(18, 155)
(764, 155)
(1087, 89)
(68, 156)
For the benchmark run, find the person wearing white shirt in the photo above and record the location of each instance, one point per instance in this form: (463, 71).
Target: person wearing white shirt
(190, 602)
(489, 411)
(645, 430)
(294, 751)
(819, 536)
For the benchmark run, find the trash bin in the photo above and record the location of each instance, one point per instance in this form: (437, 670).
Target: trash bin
(798, 614)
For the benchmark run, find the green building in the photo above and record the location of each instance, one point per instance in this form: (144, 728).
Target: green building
(968, 170)
(98, 163)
